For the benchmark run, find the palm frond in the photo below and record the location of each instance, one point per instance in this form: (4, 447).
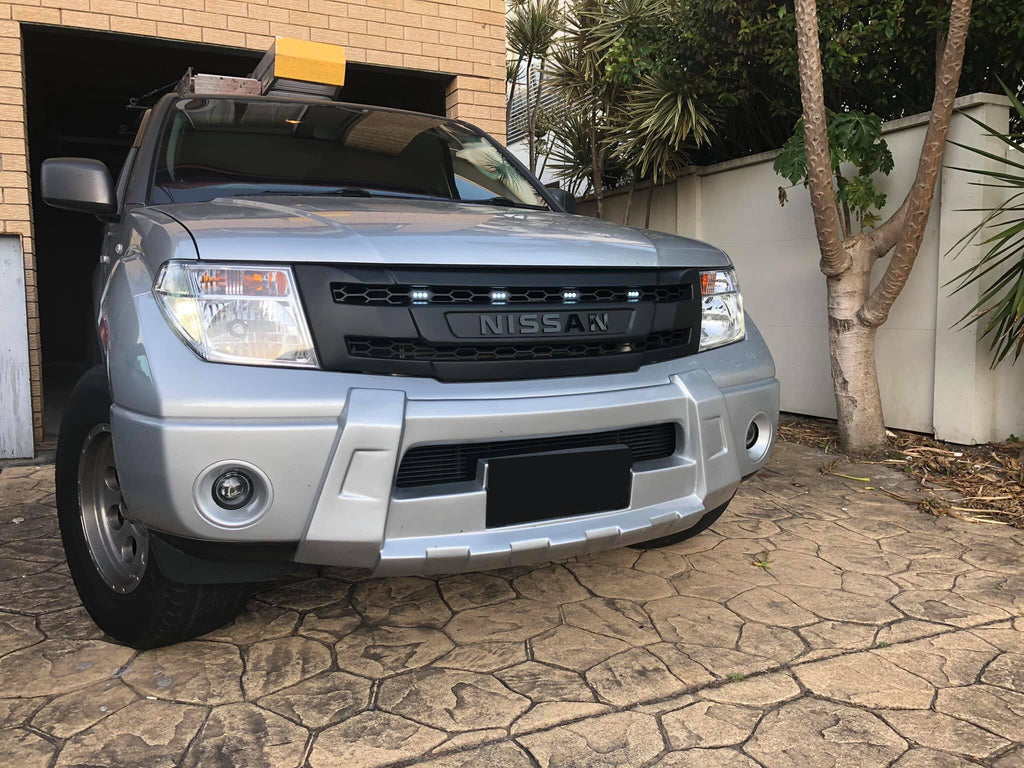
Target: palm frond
(999, 272)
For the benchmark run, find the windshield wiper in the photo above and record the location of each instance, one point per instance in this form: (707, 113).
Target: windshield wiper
(499, 200)
(335, 192)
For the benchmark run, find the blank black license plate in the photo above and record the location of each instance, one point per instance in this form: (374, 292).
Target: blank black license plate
(541, 486)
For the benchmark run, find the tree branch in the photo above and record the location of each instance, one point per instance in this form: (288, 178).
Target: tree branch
(919, 200)
(834, 258)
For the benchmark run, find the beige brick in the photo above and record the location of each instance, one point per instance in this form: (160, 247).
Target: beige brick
(12, 213)
(404, 46)
(456, 67)
(33, 13)
(252, 26)
(289, 30)
(291, 5)
(488, 17)
(10, 29)
(179, 31)
(311, 20)
(14, 161)
(343, 24)
(11, 80)
(386, 58)
(160, 13)
(227, 7)
(113, 7)
(355, 54)
(384, 30)
(367, 13)
(472, 54)
(11, 129)
(71, 5)
(19, 196)
(12, 96)
(204, 19)
(421, 34)
(329, 36)
(10, 62)
(488, 70)
(84, 20)
(369, 42)
(405, 19)
(437, 50)
(421, 7)
(13, 178)
(390, 5)
(133, 26)
(268, 13)
(426, 63)
(10, 45)
(224, 37)
(328, 7)
(5, 10)
(258, 42)
(470, 28)
(444, 25)
(192, 5)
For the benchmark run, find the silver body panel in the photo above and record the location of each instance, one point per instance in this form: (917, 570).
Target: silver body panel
(329, 443)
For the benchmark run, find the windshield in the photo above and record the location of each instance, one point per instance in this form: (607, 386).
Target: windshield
(234, 147)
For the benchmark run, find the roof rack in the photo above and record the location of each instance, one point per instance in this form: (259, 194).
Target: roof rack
(289, 67)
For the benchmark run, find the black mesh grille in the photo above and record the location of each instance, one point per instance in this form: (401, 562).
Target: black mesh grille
(413, 349)
(399, 295)
(436, 464)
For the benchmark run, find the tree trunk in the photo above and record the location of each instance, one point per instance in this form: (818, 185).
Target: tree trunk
(852, 353)
(629, 201)
(650, 201)
(597, 178)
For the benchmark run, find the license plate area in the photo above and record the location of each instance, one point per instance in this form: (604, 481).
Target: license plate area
(543, 486)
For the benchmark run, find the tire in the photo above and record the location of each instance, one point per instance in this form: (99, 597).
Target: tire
(129, 598)
(709, 519)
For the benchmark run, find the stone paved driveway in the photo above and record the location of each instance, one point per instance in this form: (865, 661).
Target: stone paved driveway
(818, 624)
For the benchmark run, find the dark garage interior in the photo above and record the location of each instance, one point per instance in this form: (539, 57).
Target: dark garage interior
(86, 93)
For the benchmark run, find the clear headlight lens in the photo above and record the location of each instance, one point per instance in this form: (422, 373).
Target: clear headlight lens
(722, 309)
(236, 314)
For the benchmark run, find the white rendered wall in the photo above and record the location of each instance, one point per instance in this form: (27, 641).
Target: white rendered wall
(934, 377)
(15, 397)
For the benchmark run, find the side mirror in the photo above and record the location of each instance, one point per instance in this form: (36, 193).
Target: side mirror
(78, 184)
(563, 199)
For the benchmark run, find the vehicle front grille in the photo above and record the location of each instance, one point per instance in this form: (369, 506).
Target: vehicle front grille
(379, 348)
(364, 295)
(437, 464)
(499, 324)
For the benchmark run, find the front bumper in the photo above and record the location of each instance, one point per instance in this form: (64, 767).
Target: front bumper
(331, 480)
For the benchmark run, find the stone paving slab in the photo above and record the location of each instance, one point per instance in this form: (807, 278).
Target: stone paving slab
(818, 623)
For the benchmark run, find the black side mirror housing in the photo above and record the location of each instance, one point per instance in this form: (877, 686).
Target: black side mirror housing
(79, 184)
(563, 199)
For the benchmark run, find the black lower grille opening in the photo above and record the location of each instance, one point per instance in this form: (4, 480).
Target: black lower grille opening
(414, 349)
(436, 464)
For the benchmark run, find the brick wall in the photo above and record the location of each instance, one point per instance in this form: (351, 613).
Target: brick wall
(465, 38)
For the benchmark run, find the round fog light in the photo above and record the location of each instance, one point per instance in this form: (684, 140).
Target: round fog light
(752, 435)
(232, 490)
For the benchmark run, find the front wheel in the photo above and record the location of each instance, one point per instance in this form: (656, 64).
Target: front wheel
(709, 519)
(112, 563)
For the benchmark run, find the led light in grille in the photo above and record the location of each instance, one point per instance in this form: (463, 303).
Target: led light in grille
(633, 295)
(420, 295)
(499, 296)
(570, 295)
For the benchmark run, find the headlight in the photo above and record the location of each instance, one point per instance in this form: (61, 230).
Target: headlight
(722, 309)
(236, 314)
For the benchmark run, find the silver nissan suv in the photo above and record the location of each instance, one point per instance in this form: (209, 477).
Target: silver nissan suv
(347, 336)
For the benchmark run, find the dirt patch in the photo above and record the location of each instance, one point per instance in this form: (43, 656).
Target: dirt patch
(979, 483)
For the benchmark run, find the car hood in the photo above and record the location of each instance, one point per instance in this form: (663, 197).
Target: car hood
(423, 232)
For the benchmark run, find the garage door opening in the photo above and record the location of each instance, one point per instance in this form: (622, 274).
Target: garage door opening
(85, 95)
